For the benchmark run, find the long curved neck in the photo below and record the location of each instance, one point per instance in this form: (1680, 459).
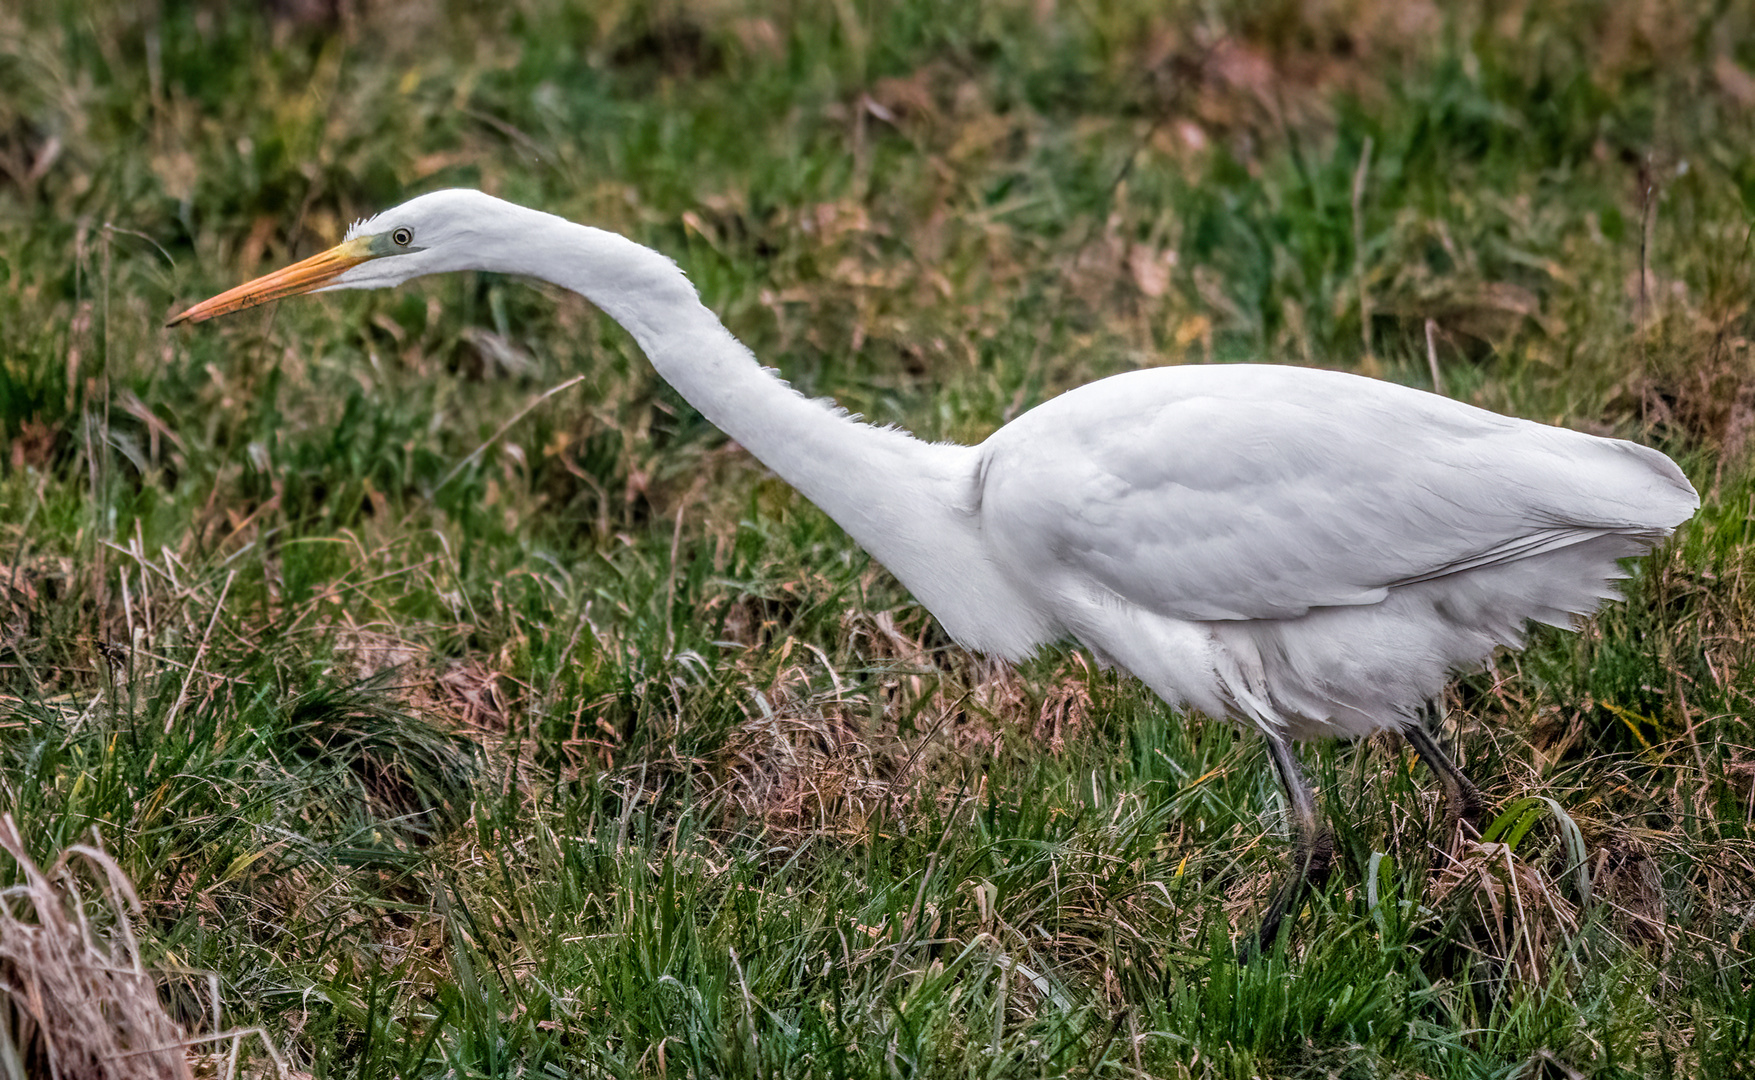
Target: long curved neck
(912, 505)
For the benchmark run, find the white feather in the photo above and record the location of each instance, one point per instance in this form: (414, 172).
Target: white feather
(1307, 551)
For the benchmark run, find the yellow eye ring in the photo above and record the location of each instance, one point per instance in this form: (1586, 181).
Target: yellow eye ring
(402, 237)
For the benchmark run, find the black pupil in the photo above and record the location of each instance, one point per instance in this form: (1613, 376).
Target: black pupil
(401, 236)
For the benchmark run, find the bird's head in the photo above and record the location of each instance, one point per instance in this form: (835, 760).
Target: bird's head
(430, 234)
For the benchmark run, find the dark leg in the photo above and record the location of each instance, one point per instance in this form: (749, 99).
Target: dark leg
(1313, 848)
(1465, 799)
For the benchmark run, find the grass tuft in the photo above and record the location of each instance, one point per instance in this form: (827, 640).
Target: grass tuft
(75, 1001)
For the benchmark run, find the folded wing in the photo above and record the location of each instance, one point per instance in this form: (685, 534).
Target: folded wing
(1245, 492)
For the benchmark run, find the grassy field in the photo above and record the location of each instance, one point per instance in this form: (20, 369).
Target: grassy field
(445, 728)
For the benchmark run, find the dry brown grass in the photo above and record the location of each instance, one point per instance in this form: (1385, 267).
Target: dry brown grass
(815, 758)
(1512, 911)
(75, 1001)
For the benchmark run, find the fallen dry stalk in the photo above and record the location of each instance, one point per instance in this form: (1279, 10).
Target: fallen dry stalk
(75, 1002)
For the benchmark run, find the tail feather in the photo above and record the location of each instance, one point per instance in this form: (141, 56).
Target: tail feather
(1354, 671)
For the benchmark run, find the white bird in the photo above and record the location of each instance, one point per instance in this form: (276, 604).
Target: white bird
(1308, 552)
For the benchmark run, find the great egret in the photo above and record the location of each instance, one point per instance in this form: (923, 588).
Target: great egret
(1305, 551)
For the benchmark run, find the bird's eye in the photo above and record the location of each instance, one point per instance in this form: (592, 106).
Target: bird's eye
(402, 237)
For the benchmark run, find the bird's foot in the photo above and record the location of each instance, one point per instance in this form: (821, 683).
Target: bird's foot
(1464, 809)
(1313, 863)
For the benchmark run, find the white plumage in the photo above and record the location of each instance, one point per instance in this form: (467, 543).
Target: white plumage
(1306, 551)
(1309, 550)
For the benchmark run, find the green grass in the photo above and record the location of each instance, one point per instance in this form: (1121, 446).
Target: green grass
(593, 750)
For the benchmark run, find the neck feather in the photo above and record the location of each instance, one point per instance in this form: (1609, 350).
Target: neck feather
(913, 505)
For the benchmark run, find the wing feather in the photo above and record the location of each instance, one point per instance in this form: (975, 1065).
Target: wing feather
(1255, 492)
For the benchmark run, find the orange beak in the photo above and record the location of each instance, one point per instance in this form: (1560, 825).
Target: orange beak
(301, 277)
